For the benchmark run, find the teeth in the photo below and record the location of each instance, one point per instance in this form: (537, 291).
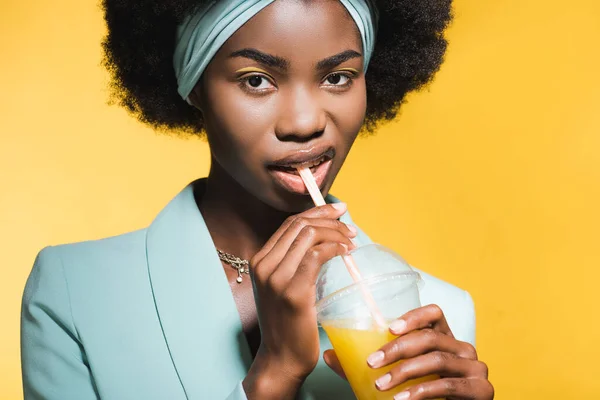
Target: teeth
(309, 165)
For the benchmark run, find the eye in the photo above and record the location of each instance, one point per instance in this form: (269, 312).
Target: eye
(256, 82)
(338, 79)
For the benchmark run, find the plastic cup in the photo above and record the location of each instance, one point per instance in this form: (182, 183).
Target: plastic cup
(347, 319)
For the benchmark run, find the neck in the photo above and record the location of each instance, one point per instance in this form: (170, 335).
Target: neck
(238, 222)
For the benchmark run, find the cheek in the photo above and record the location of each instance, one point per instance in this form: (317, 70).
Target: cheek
(349, 112)
(237, 121)
(238, 129)
(245, 119)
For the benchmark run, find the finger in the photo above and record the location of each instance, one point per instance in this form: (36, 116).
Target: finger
(420, 342)
(300, 225)
(301, 289)
(309, 267)
(419, 318)
(452, 388)
(267, 261)
(329, 211)
(285, 258)
(333, 362)
(436, 363)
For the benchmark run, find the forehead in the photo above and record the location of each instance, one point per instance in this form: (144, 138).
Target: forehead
(296, 29)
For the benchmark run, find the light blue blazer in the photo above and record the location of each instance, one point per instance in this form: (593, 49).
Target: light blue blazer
(150, 315)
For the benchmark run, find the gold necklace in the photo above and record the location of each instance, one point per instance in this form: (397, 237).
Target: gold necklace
(242, 266)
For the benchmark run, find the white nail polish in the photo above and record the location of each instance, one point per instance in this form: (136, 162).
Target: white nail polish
(402, 396)
(398, 326)
(376, 358)
(384, 380)
(339, 206)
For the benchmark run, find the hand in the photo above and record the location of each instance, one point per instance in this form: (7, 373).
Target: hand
(284, 274)
(428, 347)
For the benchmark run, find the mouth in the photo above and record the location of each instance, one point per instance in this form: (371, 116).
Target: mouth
(285, 171)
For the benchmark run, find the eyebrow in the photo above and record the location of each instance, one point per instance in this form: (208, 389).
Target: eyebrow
(270, 60)
(262, 58)
(335, 60)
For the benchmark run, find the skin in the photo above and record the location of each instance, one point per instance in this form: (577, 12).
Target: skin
(256, 113)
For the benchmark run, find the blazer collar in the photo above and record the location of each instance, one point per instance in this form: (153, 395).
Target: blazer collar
(197, 312)
(193, 299)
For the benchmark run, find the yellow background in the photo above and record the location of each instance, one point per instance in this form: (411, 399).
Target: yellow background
(490, 179)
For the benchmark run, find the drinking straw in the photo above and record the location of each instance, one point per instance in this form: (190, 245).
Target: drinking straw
(317, 197)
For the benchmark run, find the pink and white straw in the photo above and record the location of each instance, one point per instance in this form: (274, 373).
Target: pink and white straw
(317, 197)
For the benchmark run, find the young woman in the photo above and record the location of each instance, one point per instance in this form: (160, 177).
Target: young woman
(171, 312)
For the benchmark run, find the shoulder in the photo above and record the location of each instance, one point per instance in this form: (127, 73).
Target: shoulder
(456, 303)
(87, 264)
(92, 284)
(61, 271)
(97, 250)
(102, 252)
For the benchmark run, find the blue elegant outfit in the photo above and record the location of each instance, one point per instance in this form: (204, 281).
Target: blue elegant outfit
(150, 315)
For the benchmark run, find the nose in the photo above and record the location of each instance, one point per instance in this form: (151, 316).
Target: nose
(301, 117)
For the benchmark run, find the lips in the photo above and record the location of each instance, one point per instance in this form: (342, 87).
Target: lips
(286, 174)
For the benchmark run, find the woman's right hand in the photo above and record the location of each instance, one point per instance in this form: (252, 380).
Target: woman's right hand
(284, 273)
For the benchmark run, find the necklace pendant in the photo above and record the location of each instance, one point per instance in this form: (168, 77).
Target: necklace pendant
(240, 265)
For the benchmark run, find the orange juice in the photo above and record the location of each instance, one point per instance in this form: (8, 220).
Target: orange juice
(352, 347)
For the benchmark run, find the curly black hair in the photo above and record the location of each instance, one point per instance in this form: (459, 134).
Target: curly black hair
(139, 47)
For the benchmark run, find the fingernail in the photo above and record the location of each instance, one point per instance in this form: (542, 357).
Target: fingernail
(339, 206)
(344, 246)
(352, 229)
(402, 396)
(398, 326)
(383, 381)
(375, 358)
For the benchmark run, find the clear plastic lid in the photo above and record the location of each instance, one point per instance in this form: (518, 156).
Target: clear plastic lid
(375, 285)
(378, 266)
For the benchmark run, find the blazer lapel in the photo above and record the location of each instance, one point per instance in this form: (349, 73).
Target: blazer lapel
(197, 312)
(193, 300)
